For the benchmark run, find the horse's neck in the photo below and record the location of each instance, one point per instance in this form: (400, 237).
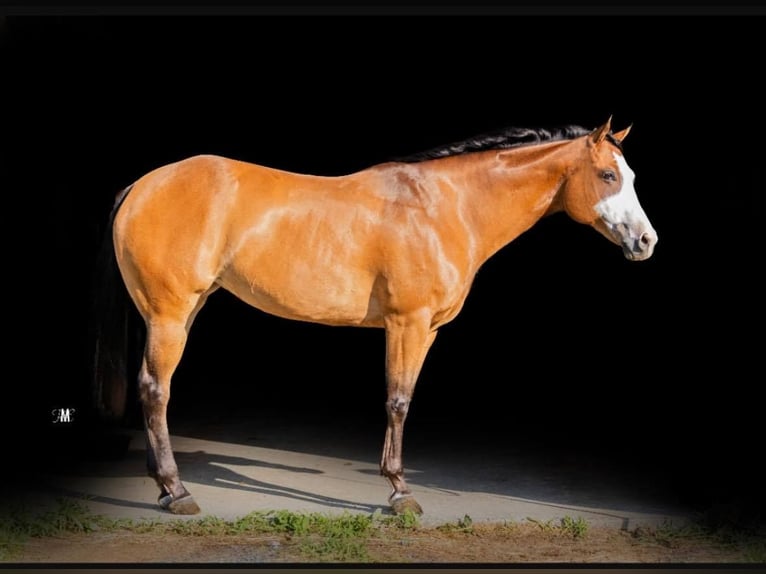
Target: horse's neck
(505, 192)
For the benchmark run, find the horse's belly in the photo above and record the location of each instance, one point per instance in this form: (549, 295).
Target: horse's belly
(308, 295)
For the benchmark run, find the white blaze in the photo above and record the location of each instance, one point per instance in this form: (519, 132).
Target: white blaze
(621, 211)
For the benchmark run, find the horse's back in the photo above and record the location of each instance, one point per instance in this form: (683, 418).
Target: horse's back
(343, 250)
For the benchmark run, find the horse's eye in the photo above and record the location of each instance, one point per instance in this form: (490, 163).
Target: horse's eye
(609, 175)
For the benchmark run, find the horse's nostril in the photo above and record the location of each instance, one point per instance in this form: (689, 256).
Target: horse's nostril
(645, 239)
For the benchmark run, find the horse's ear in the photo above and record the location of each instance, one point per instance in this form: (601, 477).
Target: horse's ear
(598, 135)
(619, 136)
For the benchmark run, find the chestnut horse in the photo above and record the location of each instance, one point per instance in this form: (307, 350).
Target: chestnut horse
(395, 246)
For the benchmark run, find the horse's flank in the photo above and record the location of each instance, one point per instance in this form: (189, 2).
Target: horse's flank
(346, 250)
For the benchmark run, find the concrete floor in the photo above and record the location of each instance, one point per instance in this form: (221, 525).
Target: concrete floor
(236, 466)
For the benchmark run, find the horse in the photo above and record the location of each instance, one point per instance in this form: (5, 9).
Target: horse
(394, 246)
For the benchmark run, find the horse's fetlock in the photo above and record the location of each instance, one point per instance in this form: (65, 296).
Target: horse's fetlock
(392, 471)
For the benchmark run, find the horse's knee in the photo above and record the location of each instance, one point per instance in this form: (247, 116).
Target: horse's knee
(398, 406)
(150, 390)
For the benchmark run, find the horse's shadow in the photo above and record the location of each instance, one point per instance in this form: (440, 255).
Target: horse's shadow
(211, 469)
(439, 463)
(205, 468)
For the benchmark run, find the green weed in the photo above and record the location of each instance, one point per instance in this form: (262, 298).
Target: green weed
(464, 525)
(545, 526)
(406, 521)
(574, 527)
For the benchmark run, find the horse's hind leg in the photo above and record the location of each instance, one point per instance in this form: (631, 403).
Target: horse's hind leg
(165, 341)
(407, 342)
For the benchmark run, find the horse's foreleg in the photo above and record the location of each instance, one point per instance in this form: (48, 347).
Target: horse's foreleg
(408, 339)
(164, 345)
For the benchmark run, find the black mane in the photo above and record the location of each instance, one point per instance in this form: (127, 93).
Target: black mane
(503, 139)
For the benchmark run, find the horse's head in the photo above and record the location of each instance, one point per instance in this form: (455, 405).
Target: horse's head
(599, 191)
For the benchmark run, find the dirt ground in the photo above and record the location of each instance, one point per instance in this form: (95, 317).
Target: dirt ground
(496, 544)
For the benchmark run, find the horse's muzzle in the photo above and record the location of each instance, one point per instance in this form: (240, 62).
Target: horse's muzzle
(641, 247)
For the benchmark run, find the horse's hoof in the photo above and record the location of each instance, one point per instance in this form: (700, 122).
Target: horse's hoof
(183, 505)
(404, 503)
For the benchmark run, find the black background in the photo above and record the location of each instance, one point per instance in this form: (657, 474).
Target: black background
(561, 341)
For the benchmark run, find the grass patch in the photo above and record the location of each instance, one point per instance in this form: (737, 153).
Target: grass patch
(748, 542)
(323, 538)
(320, 537)
(568, 526)
(671, 535)
(18, 523)
(349, 538)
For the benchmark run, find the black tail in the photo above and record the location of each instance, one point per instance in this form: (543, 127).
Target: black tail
(110, 316)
